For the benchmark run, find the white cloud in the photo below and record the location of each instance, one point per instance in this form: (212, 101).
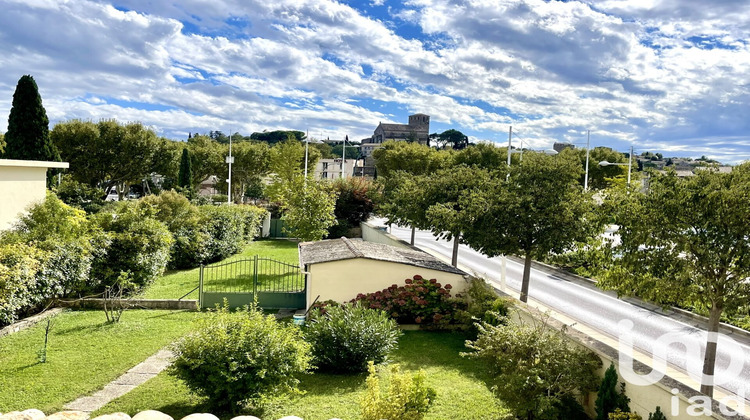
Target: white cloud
(666, 74)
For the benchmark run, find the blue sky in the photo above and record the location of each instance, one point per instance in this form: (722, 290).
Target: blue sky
(669, 76)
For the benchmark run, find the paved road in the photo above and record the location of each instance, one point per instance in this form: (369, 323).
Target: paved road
(596, 309)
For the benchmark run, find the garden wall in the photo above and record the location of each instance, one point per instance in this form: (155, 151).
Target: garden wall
(644, 399)
(371, 233)
(343, 280)
(22, 183)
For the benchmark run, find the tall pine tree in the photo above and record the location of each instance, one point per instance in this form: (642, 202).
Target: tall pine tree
(185, 177)
(27, 137)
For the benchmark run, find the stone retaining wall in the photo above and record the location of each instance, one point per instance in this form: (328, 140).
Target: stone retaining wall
(143, 415)
(29, 322)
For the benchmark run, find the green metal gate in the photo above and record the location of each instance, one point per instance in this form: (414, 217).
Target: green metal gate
(277, 228)
(276, 284)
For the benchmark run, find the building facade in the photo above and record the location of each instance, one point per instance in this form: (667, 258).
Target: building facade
(418, 130)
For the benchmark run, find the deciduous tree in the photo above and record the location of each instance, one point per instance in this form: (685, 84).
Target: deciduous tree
(686, 243)
(540, 208)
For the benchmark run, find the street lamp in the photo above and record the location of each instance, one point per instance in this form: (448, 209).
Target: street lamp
(629, 164)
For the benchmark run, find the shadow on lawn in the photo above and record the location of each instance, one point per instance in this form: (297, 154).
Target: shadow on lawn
(426, 349)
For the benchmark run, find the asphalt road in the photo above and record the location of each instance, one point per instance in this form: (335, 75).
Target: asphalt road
(651, 331)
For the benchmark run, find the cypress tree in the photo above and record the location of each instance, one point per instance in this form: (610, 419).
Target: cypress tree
(608, 398)
(185, 177)
(28, 126)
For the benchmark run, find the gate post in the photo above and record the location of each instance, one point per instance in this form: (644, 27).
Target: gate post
(200, 289)
(255, 278)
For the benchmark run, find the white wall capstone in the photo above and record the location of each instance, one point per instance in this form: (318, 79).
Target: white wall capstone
(200, 416)
(113, 416)
(69, 415)
(152, 415)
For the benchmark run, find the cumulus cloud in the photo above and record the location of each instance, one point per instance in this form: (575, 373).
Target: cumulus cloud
(670, 75)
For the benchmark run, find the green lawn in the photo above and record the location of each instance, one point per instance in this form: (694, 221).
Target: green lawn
(176, 283)
(84, 354)
(461, 392)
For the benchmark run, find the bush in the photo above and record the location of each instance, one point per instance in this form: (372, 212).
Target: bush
(241, 357)
(138, 245)
(202, 234)
(623, 415)
(406, 398)
(354, 204)
(19, 265)
(225, 229)
(191, 245)
(64, 234)
(483, 305)
(77, 194)
(345, 338)
(657, 415)
(609, 398)
(420, 301)
(534, 368)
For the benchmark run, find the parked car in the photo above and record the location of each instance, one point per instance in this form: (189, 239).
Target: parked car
(112, 195)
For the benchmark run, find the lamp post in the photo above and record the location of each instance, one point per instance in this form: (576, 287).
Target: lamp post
(629, 164)
(230, 161)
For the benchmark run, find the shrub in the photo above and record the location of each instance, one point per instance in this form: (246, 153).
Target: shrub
(534, 368)
(484, 305)
(241, 357)
(406, 398)
(65, 235)
(225, 226)
(623, 415)
(191, 245)
(420, 301)
(19, 265)
(138, 245)
(354, 204)
(609, 398)
(77, 194)
(345, 338)
(657, 415)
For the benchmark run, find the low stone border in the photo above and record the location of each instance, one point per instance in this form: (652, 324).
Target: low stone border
(143, 415)
(30, 321)
(98, 303)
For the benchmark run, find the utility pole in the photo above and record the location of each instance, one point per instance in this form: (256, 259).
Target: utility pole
(510, 135)
(307, 142)
(586, 179)
(230, 160)
(630, 164)
(343, 158)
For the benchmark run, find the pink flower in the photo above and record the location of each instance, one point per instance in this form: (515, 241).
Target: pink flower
(448, 286)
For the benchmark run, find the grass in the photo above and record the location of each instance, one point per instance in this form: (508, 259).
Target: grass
(461, 391)
(84, 353)
(176, 283)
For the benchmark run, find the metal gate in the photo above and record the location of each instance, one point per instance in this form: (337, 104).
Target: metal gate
(276, 284)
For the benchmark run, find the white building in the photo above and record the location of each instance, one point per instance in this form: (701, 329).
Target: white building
(331, 168)
(22, 183)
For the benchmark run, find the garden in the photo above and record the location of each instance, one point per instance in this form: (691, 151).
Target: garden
(351, 360)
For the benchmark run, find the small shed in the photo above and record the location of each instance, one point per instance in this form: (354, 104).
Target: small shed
(22, 183)
(339, 269)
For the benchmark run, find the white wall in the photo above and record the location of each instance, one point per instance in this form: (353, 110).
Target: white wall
(22, 183)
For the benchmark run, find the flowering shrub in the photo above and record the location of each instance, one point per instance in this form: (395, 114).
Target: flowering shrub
(419, 301)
